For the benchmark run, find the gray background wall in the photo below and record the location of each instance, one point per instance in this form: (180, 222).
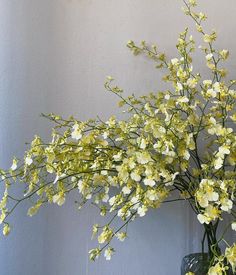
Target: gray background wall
(54, 57)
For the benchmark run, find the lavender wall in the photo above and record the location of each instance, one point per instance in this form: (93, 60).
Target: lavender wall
(54, 56)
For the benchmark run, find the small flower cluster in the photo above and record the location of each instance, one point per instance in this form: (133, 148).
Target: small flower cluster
(214, 197)
(178, 140)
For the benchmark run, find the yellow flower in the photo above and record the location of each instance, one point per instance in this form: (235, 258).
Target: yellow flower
(211, 213)
(34, 209)
(94, 254)
(59, 198)
(208, 38)
(224, 54)
(6, 229)
(216, 270)
(230, 254)
(106, 235)
(193, 2)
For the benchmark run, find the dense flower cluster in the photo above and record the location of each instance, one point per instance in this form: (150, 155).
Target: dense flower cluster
(178, 140)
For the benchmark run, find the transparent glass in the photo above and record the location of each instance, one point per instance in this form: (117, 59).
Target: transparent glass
(197, 263)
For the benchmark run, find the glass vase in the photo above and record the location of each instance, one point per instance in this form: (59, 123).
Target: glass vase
(198, 263)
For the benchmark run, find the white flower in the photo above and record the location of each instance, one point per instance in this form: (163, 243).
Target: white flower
(112, 200)
(143, 158)
(167, 97)
(121, 236)
(143, 144)
(226, 205)
(216, 86)
(179, 87)
(209, 56)
(118, 156)
(218, 163)
(108, 253)
(233, 226)
(14, 165)
(151, 195)
(203, 201)
(223, 150)
(104, 199)
(207, 82)
(182, 99)
(203, 219)
(28, 160)
(192, 83)
(173, 176)
(149, 171)
(76, 134)
(211, 195)
(88, 197)
(142, 211)
(212, 120)
(105, 135)
(149, 182)
(135, 203)
(167, 118)
(174, 61)
(171, 182)
(134, 200)
(126, 190)
(104, 172)
(211, 92)
(123, 213)
(186, 155)
(135, 176)
(80, 185)
(131, 164)
(58, 177)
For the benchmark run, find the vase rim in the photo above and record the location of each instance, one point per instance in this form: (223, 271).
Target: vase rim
(204, 254)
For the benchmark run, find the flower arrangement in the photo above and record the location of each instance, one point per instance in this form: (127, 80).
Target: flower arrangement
(181, 140)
